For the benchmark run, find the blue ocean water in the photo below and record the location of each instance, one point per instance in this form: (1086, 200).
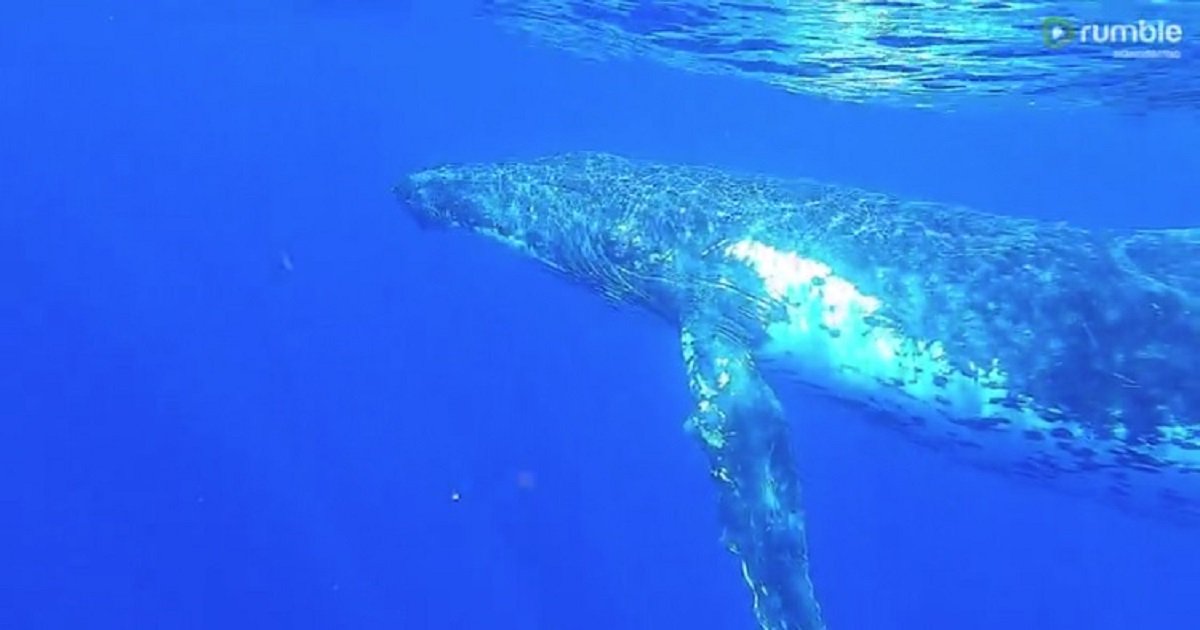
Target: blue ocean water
(240, 389)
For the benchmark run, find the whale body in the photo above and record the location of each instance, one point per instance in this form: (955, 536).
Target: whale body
(1039, 350)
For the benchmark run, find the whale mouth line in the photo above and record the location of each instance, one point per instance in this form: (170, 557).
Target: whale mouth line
(1141, 255)
(421, 206)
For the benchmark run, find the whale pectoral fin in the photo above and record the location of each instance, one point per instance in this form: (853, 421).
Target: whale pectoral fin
(740, 424)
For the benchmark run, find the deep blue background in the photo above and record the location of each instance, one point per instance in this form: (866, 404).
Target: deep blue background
(193, 435)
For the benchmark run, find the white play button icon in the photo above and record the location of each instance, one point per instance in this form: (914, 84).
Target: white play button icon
(1057, 32)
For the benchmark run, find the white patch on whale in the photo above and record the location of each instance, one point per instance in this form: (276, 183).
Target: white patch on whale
(834, 330)
(833, 337)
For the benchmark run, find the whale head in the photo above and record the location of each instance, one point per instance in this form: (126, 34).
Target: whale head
(597, 218)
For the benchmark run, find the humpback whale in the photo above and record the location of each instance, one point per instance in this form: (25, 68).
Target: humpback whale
(1039, 350)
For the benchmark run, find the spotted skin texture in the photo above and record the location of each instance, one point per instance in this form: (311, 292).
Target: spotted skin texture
(741, 428)
(1042, 351)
